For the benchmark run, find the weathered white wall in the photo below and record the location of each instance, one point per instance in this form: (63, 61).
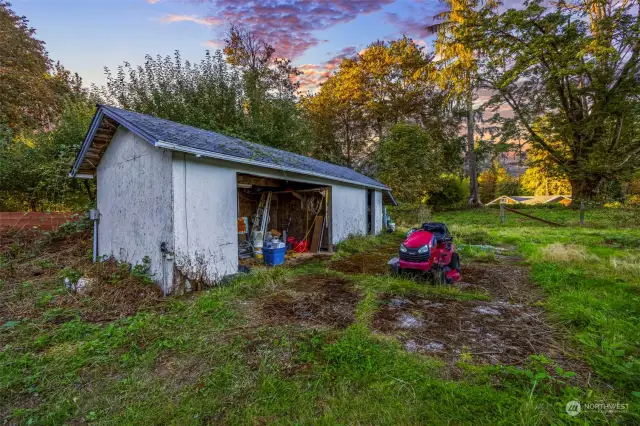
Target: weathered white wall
(349, 211)
(205, 217)
(134, 201)
(377, 212)
(349, 203)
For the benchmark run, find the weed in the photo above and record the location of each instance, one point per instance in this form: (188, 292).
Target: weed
(362, 243)
(72, 274)
(141, 272)
(411, 214)
(474, 253)
(469, 235)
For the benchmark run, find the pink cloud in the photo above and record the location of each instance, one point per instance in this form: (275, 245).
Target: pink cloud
(191, 18)
(313, 75)
(289, 25)
(411, 26)
(214, 44)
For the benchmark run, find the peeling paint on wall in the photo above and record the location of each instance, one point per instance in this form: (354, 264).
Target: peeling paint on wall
(205, 217)
(134, 201)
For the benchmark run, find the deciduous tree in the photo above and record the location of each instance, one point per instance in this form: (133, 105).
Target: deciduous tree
(570, 73)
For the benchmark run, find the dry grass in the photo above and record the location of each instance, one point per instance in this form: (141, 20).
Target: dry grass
(567, 253)
(32, 282)
(629, 264)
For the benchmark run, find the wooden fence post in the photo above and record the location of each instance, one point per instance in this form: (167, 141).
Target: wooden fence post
(501, 214)
(581, 213)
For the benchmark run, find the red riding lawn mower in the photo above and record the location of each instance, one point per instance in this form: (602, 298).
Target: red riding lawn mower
(429, 251)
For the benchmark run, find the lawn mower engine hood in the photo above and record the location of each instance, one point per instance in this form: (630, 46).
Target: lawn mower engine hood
(420, 238)
(418, 251)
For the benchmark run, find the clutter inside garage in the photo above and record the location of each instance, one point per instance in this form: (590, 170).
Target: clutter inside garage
(281, 219)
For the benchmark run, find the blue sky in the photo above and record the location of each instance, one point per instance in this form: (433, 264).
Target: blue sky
(87, 35)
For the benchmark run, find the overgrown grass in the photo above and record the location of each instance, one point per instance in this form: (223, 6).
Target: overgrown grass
(589, 275)
(205, 359)
(363, 243)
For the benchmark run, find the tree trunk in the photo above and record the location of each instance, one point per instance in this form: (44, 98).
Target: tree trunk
(474, 196)
(584, 189)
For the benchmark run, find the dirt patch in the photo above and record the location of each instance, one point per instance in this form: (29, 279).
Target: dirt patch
(363, 263)
(316, 299)
(300, 259)
(372, 262)
(493, 332)
(502, 282)
(177, 370)
(506, 330)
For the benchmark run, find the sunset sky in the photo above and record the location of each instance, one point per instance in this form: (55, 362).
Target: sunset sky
(87, 35)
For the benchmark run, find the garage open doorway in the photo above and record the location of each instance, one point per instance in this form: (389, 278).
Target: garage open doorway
(291, 212)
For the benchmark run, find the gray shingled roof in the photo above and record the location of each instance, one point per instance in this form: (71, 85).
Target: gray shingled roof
(157, 130)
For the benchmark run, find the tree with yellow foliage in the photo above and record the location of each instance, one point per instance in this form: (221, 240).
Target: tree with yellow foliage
(458, 66)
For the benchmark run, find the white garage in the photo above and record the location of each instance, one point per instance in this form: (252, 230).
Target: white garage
(178, 195)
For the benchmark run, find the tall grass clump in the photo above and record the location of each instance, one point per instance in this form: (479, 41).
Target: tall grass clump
(362, 243)
(629, 264)
(567, 253)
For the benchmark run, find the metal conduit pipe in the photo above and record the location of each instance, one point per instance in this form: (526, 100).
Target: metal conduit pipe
(94, 215)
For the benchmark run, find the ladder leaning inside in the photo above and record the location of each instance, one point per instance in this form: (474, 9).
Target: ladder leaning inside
(261, 218)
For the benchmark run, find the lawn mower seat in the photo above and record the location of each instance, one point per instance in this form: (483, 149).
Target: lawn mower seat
(439, 230)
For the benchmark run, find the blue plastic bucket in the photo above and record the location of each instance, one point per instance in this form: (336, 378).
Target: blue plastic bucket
(274, 256)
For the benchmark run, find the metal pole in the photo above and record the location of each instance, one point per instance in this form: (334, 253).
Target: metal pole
(95, 215)
(581, 213)
(501, 214)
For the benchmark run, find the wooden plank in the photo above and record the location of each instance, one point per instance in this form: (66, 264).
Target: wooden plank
(18, 220)
(548, 222)
(315, 239)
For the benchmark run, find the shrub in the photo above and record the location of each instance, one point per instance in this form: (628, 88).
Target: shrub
(453, 192)
(410, 214)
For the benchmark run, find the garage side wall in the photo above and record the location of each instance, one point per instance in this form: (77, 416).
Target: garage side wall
(134, 201)
(204, 210)
(349, 208)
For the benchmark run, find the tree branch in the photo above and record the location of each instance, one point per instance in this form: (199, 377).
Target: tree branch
(518, 112)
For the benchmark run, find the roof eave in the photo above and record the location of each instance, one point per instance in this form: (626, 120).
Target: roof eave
(210, 154)
(101, 112)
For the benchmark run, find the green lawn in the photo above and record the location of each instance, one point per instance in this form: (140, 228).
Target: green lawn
(308, 345)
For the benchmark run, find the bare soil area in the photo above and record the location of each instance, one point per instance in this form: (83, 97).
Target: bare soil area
(506, 330)
(312, 299)
(372, 262)
(363, 263)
